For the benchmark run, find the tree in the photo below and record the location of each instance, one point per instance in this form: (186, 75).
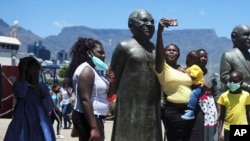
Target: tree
(62, 71)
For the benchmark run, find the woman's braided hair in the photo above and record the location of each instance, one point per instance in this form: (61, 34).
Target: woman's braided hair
(78, 54)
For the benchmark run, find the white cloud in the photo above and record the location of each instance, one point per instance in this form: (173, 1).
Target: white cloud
(61, 24)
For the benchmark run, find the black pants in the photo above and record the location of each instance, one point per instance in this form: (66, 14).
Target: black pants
(56, 115)
(226, 135)
(178, 129)
(82, 125)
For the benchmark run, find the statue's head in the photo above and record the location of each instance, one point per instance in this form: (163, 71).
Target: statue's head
(141, 24)
(241, 36)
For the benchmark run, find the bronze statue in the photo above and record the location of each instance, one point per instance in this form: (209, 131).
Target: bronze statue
(237, 58)
(137, 116)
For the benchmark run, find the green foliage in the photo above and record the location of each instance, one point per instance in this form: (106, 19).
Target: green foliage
(62, 71)
(49, 82)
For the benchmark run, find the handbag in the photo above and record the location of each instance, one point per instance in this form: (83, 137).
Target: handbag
(74, 132)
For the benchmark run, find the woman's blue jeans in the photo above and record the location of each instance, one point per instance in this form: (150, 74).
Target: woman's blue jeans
(66, 110)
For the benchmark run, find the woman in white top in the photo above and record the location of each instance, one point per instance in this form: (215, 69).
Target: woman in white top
(66, 93)
(92, 83)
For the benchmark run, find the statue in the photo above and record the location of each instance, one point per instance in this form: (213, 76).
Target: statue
(237, 58)
(137, 113)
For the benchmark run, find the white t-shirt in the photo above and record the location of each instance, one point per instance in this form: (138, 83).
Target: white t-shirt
(65, 97)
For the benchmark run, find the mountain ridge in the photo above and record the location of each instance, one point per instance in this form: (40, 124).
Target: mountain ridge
(186, 39)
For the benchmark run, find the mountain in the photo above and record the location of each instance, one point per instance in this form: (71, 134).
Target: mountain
(25, 36)
(187, 39)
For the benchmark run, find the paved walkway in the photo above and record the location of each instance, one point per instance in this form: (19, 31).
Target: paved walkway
(65, 132)
(108, 125)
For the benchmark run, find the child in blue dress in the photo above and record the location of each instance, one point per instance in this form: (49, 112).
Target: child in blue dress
(31, 120)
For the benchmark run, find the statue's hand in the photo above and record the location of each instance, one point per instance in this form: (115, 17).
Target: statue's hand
(245, 86)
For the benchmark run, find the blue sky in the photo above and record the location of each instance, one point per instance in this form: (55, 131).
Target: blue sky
(48, 17)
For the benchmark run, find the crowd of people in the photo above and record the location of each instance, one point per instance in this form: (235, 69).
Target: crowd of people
(149, 86)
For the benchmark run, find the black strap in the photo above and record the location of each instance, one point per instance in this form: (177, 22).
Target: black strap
(100, 116)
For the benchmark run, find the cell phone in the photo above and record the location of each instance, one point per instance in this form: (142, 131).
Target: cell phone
(173, 22)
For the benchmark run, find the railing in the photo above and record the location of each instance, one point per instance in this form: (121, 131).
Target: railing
(8, 97)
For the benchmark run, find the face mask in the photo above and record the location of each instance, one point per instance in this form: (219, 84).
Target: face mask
(99, 64)
(233, 86)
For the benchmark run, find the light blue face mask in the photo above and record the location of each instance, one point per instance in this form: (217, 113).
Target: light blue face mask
(233, 86)
(99, 64)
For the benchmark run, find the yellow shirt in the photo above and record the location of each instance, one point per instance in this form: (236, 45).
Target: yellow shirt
(235, 108)
(196, 73)
(175, 84)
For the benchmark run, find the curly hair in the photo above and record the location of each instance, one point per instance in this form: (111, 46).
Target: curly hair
(79, 54)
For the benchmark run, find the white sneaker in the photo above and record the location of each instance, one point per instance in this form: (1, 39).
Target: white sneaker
(59, 136)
